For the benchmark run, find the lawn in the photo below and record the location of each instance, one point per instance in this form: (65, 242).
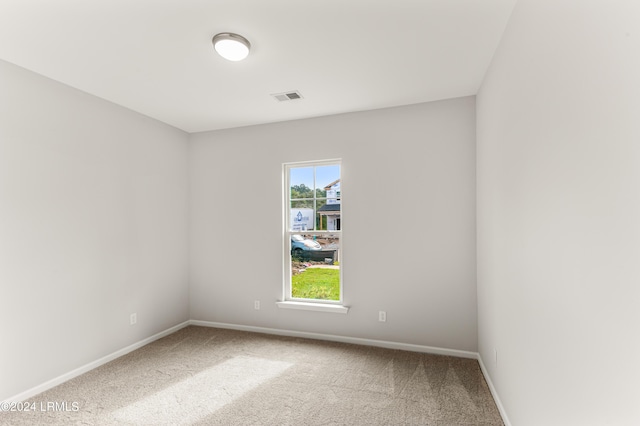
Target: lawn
(316, 283)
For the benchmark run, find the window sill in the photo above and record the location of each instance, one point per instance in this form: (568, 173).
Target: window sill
(310, 306)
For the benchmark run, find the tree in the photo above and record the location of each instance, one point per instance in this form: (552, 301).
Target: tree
(301, 191)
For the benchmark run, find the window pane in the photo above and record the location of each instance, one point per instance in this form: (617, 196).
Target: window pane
(301, 181)
(328, 214)
(327, 176)
(315, 267)
(314, 204)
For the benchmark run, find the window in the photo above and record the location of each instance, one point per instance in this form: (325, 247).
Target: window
(313, 230)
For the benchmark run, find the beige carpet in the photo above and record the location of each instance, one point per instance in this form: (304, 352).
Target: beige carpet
(209, 376)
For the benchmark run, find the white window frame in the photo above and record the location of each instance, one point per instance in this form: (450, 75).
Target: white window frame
(299, 303)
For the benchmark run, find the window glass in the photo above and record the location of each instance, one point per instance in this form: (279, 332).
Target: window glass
(313, 232)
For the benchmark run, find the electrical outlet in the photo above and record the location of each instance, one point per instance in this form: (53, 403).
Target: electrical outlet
(256, 305)
(133, 318)
(382, 316)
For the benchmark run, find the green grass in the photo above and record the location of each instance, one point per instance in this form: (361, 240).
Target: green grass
(316, 283)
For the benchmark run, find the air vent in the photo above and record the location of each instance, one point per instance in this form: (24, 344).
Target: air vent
(287, 96)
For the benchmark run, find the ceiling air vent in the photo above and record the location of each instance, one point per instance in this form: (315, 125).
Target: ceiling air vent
(287, 96)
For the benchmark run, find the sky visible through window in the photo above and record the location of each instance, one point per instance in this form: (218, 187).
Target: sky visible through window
(324, 176)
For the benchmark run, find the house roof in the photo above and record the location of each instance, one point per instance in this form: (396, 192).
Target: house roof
(331, 184)
(330, 208)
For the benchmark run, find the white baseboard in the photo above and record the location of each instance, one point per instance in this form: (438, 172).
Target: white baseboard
(342, 339)
(492, 388)
(90, 366)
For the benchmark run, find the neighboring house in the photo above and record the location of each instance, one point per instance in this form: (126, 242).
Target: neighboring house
(332, 209)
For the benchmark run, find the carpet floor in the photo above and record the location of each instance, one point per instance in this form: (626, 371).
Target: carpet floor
(210, 376)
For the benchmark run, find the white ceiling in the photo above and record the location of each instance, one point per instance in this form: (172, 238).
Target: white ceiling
(156, 56)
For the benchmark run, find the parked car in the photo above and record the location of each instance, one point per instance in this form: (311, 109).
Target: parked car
(303, 249)
(299, 244)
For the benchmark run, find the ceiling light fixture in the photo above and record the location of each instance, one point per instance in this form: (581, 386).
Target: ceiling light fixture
(230, 46)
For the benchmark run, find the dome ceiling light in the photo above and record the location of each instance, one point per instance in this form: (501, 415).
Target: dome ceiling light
(230, 46)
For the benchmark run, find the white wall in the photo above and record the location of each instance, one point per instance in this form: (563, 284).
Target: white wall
(559, 214)
(416, 163)
(93, 227)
